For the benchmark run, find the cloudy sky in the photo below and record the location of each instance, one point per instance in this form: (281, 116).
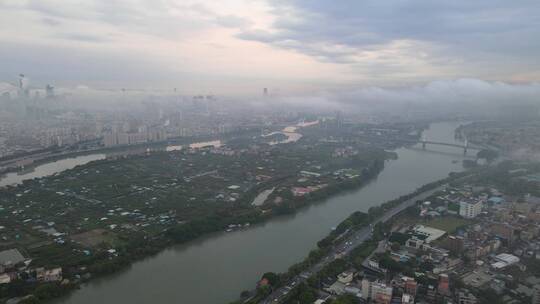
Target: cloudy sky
(240, 46)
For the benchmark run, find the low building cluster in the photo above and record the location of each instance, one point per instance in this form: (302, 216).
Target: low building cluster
(464, 244)
(14, 266)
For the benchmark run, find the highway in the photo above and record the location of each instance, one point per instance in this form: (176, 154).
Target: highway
(344, 248)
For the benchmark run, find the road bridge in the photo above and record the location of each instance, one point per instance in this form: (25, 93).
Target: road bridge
(465, 145)
(425, 142)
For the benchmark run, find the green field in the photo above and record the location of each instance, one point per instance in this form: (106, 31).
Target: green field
(448, 224)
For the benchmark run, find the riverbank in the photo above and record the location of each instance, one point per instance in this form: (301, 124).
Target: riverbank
(30, 160)
(349, 234)
(231, 262)
(139, 247)
(122, 211)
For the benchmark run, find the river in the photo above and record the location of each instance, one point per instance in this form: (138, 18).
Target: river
(70, 162)
(215, 269)
(15, 178)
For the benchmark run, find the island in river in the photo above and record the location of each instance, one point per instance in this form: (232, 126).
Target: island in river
(98, 218)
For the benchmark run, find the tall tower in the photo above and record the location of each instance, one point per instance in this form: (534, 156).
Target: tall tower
(265, 92)
(49, 91)
(423, 141)
(339, 119)
(23, 84)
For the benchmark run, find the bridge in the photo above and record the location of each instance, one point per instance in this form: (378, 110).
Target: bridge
(465, 146)
(425, 142)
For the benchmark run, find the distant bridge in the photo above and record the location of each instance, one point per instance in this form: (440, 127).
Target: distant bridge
(465, 145)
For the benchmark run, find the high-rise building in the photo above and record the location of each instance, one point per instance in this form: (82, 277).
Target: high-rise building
(122, 139)
(366, 288)
(49, 91)
(444, 285)
(23, 86)
(265, 92)
(470, 209)
(381, 294)
(466, 297)
(431, 294)
(378, 292)
(110, 139)
(536, 295)
(410, 286)
(504, 231)
(455, 244)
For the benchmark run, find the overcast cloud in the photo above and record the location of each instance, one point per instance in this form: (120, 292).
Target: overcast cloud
(240, 46)
(485, 38)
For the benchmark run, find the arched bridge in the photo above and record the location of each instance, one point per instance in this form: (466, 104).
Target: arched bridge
(425, 142)
(465, 146)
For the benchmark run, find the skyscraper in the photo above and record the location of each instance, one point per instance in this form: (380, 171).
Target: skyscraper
(49, 91)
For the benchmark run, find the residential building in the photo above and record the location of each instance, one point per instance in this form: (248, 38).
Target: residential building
(466, 297)
(536, 295)
(470, 209)
(504, 230)
(410, 286)
(50, 275)
(444, 285)
(455, 244)
(407, 299)
(378, 292)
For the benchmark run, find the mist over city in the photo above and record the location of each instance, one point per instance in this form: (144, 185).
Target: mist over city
(255, 151)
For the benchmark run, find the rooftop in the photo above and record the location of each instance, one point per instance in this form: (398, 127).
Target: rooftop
(430, 233)
(11, 256)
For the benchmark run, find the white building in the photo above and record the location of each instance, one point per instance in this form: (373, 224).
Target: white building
(430, 234)
(346, 277)
(470, 209)
(5, 279)
(504, 259)
(50, 275)
(407, 299)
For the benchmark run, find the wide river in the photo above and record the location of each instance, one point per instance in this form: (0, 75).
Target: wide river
(215, 269)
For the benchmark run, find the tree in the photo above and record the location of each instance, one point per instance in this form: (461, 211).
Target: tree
(346, 299)
(29, 300)
(273, 279)
(306, 294)
(488, 155)
(489, 296)
(48, 291)
(399, 238)
(245, 294)
(263, 291)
